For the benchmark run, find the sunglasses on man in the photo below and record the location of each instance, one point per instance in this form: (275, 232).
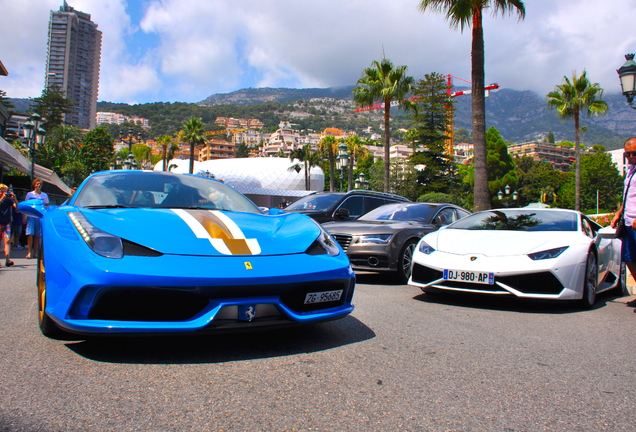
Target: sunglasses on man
(629, 154)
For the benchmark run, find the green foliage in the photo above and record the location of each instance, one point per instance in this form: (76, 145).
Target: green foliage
(97, 150)
(500, 164)
(52, 105)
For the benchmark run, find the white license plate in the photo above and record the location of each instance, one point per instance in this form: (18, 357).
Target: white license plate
(469, 276)
(321, 297)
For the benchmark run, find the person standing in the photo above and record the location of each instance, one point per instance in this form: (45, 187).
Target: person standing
(33, 227)
(627, 210)
(7, 204)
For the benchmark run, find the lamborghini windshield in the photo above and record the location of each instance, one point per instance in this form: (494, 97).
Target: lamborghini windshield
(519, 220)
(147, 189)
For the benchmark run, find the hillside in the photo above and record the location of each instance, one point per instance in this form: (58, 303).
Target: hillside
(518, 115)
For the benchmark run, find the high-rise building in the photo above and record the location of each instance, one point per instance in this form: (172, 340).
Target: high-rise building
(74, 51)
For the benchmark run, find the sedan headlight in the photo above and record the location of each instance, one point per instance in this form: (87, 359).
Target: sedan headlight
(102, 243)
(547, 254)
(425, 248)
(374, 238)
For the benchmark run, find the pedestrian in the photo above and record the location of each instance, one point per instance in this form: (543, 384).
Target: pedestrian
(16, 227)
(34, 224)
(626, 213)
(7, 204)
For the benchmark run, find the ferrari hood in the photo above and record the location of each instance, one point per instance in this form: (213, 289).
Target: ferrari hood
(207, 232)
(496, 243)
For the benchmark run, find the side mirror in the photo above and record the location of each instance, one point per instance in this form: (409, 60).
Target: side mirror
(342, 213)
(33, 208)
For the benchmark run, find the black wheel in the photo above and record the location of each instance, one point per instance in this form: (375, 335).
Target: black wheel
(621, 289)
(406, 260)
(590, 282)
(47, 325)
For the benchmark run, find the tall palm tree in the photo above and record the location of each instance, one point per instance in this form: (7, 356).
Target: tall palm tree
(356, 150)
(309, 160)
(462, 14)
(192, 133)
(570, 99)
(328, 146)
(387, 83)
(164, 141)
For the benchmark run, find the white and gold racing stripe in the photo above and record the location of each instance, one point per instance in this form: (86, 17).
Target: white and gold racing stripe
(222, 232)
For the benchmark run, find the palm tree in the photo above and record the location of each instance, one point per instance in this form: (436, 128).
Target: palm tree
(164, 141)
(328, 146)
(356, 151)
(309, 160)
(388, 83)
(192, 133)
(465, 13)
(570, 99)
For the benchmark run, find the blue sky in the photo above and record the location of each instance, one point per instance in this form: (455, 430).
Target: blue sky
(186, 50)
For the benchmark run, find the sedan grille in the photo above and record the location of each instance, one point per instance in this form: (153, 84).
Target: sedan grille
(344, 240)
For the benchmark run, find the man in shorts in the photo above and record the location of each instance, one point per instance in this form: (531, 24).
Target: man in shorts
(7, 204)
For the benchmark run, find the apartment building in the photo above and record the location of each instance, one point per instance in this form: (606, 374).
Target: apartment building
(73, 61)
(215, 149)
(116, 118)
(559, 156)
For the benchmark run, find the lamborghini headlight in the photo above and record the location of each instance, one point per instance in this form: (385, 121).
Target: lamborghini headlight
(375, 238)
(425, 248)
(102, 243)
(547, 254)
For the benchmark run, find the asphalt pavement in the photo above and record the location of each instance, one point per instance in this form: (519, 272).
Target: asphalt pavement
(403, 360)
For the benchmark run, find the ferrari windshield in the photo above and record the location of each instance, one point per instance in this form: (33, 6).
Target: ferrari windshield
(401, 212)
(519, 220)
(129, 188)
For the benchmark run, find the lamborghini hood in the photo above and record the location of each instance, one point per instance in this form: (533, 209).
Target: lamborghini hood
(497, 243)
(207, 232)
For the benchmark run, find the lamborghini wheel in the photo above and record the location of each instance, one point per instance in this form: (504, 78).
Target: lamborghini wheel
(47, 326)
(590, 282)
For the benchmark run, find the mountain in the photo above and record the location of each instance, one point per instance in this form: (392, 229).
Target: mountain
(252, 96)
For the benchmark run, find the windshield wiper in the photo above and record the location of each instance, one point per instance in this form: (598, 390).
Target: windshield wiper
(107, 206)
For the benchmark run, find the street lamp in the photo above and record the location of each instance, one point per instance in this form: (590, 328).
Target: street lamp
(627, 75)
(34, 134)
(506, 194)
(343, 161)
(361, 183)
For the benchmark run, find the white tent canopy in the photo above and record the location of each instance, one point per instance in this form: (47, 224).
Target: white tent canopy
(10, 156)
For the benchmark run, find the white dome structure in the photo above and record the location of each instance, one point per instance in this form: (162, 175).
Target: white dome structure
(267, 181)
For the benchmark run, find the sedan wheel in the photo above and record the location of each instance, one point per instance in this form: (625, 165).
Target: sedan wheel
(405, 261)
(590, 282)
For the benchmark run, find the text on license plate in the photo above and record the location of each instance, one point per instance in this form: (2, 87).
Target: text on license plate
(469, 276)
(321, 297)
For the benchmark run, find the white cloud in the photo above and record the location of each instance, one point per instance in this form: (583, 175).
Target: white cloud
(185, 50)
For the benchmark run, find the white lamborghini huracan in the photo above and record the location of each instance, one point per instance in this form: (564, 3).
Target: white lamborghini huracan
(533, 253)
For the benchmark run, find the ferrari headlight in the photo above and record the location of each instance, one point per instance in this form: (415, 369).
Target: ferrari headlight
(547, 254)
(328, 242)
(425, 248)
(102, 243)
(375, 238)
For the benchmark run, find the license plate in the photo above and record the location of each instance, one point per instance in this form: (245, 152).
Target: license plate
(469, 276)
(321, 297)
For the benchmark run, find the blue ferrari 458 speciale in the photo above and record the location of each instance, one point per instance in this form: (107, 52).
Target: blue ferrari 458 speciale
(134, 252)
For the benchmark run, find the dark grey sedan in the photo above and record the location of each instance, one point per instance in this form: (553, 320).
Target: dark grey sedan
(383, 240)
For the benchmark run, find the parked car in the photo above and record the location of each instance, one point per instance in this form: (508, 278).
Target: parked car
(335, 206)
(383, 240)
(528, 253)
(156, 252)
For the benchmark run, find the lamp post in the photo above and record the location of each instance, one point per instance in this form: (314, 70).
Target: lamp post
(361, 183)
(627, 75)
(34, 134)
(504, 196)
(343, 161)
